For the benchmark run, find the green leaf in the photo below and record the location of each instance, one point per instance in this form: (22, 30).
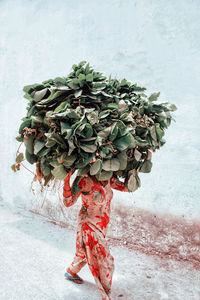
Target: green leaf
(89, 148)
(40, 94)
(83, 171)
(96, 167)
(173, 107)
(83, 161)
(29, 144)
(61, 107)
(92, 117)
(65, 128)
(81, 77)
(113, 132)
(104, 175)
(19, 138)
(122, 157)
(154, 97)
(137, 155)
(126, 141)
(140, 142)
(50, 143)
(30, 158)
(19, 158)
(152, 130)
(89, 77)
(159, 131)
(133, 181)
(146, 166)
(59, 172)
(112, 105)
(44, 151)
(26, 123)
(38, 145)
(37, 119)
(78, 93)
(111, 165)
(28, 89)
(54, 163)
(104, 114)
(45, 170)
(69, 160)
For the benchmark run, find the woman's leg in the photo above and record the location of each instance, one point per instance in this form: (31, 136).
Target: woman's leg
(79, 260)
(99, 258)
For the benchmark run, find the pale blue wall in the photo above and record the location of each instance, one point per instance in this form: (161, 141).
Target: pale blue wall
(153, 42)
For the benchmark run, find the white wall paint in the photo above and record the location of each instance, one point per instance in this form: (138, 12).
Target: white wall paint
(155, 43)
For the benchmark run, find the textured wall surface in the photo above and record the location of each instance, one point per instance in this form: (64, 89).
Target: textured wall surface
(155, 43)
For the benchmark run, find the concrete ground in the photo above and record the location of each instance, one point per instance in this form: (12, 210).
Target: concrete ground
(34, 254)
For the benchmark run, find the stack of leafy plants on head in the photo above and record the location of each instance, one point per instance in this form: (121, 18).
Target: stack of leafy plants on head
(96, 125)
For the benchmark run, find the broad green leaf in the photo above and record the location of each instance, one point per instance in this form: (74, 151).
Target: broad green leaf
(154, 97)
(29, 143)
(96, 167)
(31, 158)
(54, 163)
(44, 151)
(122, 157)
(37, 119)
(40, 94)
(140, 142)
(111, 165)
(26, 123)
(83, 171)
(89, 148)
(38, 145)
(50, 143)
(137, 154)
(152, 130)
(61, 107)
(65, 127)
(78, 93)
(45, 170)
(126, 141)
(146, 166)
(59, 172)
(81, 77)
(89, 77)
(69, 160)
(112, 105)
(92, 117)
(159, 131)
(113, 132)
(71, 147)
(104, 175)
(173, 107)
(19, 138)
(82, 162)
(133, 181)
(19, 158)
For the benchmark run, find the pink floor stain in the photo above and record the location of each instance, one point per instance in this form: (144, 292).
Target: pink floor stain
(161, 235)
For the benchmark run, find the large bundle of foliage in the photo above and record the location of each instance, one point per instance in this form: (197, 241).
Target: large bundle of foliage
(93, 124)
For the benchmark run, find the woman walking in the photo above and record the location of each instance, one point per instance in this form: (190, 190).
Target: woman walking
(93, 220)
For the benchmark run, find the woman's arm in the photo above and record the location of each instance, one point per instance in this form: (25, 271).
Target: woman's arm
(118, 185)
(68, 198)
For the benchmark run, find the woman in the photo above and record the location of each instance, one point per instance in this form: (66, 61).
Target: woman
(93, 219)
